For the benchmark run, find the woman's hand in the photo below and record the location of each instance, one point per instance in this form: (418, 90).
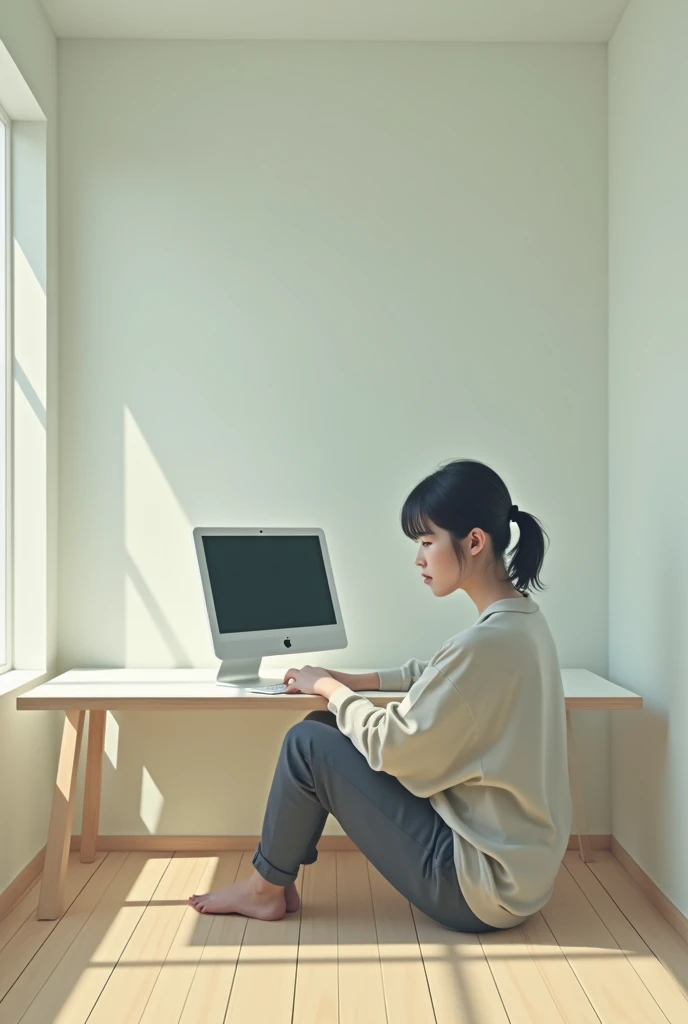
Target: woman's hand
(304, 679)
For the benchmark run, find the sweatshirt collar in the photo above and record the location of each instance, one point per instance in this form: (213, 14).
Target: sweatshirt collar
(510, 604)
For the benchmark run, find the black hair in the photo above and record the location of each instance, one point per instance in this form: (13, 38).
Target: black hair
(464, 494)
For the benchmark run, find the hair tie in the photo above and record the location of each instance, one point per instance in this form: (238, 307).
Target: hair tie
(513, 512)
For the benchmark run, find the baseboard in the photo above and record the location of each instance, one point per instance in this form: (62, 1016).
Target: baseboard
(655, 895)
(598, 841)
(24, 880)
(219, 844)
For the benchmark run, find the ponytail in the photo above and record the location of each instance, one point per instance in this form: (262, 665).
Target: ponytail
(528, 554)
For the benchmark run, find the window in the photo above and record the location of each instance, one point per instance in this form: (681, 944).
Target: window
(5, 397)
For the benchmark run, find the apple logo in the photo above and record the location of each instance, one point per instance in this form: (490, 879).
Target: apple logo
(287, 642)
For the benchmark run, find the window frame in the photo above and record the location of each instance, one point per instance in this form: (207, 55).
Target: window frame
(8, 467)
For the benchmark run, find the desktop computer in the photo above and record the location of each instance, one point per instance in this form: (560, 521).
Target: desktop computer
(267, 591)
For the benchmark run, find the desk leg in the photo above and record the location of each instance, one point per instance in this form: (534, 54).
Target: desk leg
(92, 784)
(577, 794)
(61, 818)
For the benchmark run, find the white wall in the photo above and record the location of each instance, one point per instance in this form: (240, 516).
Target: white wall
(294, 278)
(28, 740)
(25, 31)
(648, 366)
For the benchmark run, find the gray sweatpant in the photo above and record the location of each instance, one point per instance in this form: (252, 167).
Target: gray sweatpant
(320, 772)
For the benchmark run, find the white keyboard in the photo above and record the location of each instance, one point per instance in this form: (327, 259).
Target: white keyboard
(277, 688)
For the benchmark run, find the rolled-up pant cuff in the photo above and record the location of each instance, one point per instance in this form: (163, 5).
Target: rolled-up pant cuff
(269, 872)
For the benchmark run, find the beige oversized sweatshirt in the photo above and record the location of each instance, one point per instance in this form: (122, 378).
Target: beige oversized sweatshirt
(482, 734)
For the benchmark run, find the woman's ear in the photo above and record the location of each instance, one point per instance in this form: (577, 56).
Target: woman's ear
(477, 540)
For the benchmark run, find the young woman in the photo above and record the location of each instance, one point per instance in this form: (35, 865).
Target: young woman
(459, 792)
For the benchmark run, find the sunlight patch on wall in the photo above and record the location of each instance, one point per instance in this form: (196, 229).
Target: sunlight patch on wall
(111, 738)
(30, 441)
(152, 802)
(30, 318)
(162, 569)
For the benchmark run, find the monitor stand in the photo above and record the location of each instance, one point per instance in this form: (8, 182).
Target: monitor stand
(240, 672)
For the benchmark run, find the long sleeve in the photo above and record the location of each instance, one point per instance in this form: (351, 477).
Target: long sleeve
(404, 677)
(480, 732)
(426, 740)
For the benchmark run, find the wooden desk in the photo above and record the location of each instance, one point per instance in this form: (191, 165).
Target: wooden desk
(98, 691)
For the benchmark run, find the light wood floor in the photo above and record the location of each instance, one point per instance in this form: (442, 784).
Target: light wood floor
(129, 949)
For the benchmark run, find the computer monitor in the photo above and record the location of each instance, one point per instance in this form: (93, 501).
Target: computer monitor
(267, 591)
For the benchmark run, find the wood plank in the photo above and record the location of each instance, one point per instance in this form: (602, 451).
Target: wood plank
(37, 972)
(361, 991)
(526, 997)
(316, 998)
(612, 986)
(265, 977)
(585, 689)
(113, 689)
(294, 703)
(73, 988)
(188, 698)
(462, 987)
(656, 952)
(212, 983)
(33, 933)
(173, 984)
(407, 996)
(94, 773)
(557, 973)
(51, 899)
(128, 988)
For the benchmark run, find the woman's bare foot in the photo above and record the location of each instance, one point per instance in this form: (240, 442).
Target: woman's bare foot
(243, 898)
(292, 898)
(252, 897)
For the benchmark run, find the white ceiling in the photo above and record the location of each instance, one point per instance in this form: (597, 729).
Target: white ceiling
(464, 20)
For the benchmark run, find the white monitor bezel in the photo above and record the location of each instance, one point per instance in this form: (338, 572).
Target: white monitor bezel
(269, 642)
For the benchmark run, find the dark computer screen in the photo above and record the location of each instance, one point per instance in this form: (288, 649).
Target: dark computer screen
(268, 582)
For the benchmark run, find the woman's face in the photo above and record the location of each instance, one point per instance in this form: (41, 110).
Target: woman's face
(437, 559)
